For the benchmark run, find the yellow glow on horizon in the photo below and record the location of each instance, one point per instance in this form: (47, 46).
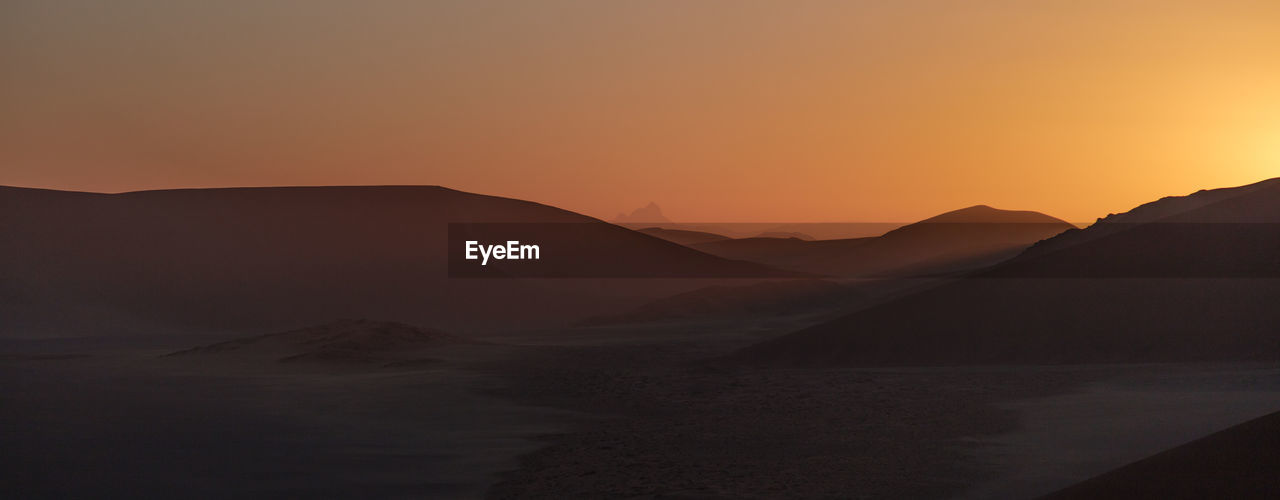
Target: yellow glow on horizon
(718, 111)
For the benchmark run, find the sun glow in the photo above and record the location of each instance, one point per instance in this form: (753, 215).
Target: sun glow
(835, 111)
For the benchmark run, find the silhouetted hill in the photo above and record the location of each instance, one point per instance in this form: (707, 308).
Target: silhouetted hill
(1239, 462)
(968, 238)
(1197, 282)
(87, 263)
(1228, 232)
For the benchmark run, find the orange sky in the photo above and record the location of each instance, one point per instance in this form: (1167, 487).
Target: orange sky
(718, 111)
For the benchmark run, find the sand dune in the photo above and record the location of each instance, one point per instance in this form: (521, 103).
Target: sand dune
(261, 258)
(1158, 211)
(963, 239)
(1192, 285)
(1240, 462)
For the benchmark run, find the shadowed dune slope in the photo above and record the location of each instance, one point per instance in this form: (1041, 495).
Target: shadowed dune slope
(256, 258)
(1239, 462)
(1196, 284)
(962, 239)
(682, 236)
(1160, 210)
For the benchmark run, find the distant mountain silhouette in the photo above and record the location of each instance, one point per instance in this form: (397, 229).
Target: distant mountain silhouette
(1239, 462)
(255, 258)
(646, 214)
(1181, 279)
(962, 239)
(681, 236)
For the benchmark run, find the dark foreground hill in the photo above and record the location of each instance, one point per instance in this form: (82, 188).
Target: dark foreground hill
(963, 239)
(1198, 281)
(254, 258)
(1240, 462)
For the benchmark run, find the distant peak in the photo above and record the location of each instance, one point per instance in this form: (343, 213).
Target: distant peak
(989, 214)
(648, 213)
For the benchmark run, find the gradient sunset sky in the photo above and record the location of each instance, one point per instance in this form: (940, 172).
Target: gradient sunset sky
(718, 111)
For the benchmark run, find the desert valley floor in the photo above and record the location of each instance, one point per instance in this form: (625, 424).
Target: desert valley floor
(605, 412)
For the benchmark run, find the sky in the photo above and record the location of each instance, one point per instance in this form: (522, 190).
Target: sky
(717, 110)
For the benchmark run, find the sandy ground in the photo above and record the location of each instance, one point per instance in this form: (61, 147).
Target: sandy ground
(673, 426)
(134, 426)
(1063, 439)
(618, 412)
